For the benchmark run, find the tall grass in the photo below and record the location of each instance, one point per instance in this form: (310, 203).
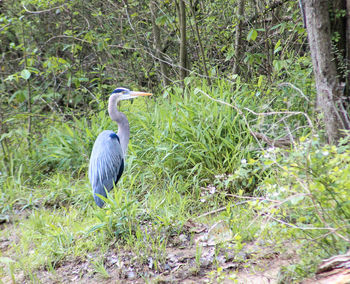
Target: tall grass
(179, 148)
(174, 141)
(194, 138)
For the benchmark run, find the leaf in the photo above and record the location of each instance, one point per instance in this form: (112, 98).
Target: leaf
(96, 227)
(20, 96)
(187, 81)
(25, 74)
(252, 35)
(296, 199)
(279, 64)
(160, 21)
(230, 53)
(277, 47)
(5, 135)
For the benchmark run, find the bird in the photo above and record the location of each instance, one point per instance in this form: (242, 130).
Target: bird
(108, 153)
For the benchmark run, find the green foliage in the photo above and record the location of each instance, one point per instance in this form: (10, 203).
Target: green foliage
(67, 146)
(118, 217)
(64, 149)
(149, 244)
(182, 136)
(51, 238)
(312, 184)
(100, 269)
(188, 154)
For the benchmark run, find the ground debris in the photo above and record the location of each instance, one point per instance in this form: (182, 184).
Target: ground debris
(199, 254)
(335, 269)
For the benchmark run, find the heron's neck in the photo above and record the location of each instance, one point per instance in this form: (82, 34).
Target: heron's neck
(122, 121)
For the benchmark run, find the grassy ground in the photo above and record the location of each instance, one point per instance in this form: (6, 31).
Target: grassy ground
(200, 200)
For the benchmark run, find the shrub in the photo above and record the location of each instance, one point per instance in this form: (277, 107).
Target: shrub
(311, 186)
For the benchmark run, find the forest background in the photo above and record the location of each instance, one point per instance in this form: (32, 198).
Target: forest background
(233, 146)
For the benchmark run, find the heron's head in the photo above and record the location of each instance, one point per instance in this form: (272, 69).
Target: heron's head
(126, 94)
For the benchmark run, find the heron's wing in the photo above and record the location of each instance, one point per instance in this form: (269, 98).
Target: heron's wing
(106, 164)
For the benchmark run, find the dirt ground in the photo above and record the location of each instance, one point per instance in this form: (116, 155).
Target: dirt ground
(199, 255)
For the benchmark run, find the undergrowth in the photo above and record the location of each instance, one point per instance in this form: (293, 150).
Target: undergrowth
(187, 156)
(310, 185)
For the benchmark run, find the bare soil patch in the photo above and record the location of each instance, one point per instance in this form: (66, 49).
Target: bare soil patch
(196, 256)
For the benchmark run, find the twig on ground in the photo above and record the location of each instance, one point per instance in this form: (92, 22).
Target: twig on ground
(218, 210)
(330, 229)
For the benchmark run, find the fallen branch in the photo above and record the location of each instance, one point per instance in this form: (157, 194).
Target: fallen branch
(218, 210)
(283, 142)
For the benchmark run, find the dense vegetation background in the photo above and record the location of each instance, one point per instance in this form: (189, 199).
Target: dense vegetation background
(232, 130)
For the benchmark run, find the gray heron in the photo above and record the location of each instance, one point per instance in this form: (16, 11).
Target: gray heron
(108, 153)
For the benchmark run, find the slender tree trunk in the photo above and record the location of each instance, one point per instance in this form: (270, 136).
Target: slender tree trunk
(347, 46)
(4, 142)
(200, 44)
(157, 44)
(183, 43)
(238, 37)
(29, 103)
(329, 89)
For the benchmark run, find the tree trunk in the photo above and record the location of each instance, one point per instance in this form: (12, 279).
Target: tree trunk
(183, 44)
(329, 89)
(347, 46)
(200, 43)
(238, 37)
(157, 44)
(29, 89)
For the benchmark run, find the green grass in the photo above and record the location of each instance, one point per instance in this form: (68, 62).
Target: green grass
(180, 150)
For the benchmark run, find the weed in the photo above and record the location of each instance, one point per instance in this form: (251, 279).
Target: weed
(9, 263)
(149, 247)
(100, 269)
(198, 256)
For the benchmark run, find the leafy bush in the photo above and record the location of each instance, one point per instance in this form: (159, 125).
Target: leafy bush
(311, 186)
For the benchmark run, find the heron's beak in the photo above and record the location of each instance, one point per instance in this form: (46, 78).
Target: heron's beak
(139, 94)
